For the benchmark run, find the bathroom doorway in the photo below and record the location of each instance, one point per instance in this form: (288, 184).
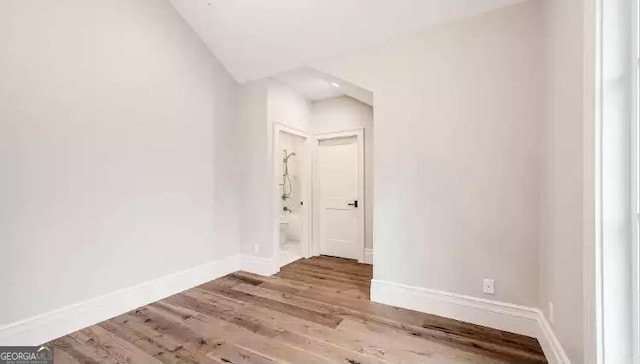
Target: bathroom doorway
(292, 179)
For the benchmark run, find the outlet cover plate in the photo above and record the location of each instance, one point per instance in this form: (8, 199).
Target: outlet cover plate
(488, 286)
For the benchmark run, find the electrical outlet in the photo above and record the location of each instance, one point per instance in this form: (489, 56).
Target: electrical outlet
(256, 248)
(488, 286)
(551, 313)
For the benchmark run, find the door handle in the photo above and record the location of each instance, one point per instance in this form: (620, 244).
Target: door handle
(354, 204)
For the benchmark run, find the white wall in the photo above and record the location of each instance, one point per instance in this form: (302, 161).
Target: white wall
(561, 240)
(479, 158)
(115, 151)
(287, 107)
(343, 113)
(253, 151)
(457, 153)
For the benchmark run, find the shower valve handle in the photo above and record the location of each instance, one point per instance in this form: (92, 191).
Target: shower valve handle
(354, 204)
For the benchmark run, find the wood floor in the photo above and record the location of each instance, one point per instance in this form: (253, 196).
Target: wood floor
(315, 310)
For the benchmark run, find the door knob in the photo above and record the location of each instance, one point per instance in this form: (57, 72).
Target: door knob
(354, 204)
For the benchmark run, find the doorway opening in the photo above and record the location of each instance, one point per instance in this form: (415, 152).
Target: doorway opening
(322, 167)
(292, 176)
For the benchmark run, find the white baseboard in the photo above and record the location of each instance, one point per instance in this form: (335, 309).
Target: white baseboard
(51, 325)
(549, 342)
(503, 316)
(522, 320)
(260, 265)
(368, 256)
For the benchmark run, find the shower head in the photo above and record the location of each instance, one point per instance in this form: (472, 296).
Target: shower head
(286, 158)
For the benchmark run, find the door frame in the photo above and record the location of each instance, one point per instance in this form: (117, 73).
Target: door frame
(306, 190)
(359, 134)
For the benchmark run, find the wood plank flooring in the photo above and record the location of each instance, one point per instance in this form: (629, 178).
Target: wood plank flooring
(315, 310)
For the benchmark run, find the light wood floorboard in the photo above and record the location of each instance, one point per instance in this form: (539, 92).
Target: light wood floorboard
(315, 310)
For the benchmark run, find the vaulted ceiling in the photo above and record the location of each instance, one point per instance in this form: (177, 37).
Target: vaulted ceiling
(259, 38)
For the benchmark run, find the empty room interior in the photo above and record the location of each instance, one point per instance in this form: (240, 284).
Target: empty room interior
(307, 181)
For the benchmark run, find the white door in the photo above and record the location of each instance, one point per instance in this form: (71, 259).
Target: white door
(341, 215)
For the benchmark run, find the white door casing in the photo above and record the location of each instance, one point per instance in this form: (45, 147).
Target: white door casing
(306, 190)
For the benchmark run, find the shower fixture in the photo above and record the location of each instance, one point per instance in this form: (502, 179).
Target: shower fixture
(286, 158)
(286, 180)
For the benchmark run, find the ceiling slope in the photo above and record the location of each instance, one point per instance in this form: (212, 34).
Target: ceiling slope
(315, 85)
(259, 38)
